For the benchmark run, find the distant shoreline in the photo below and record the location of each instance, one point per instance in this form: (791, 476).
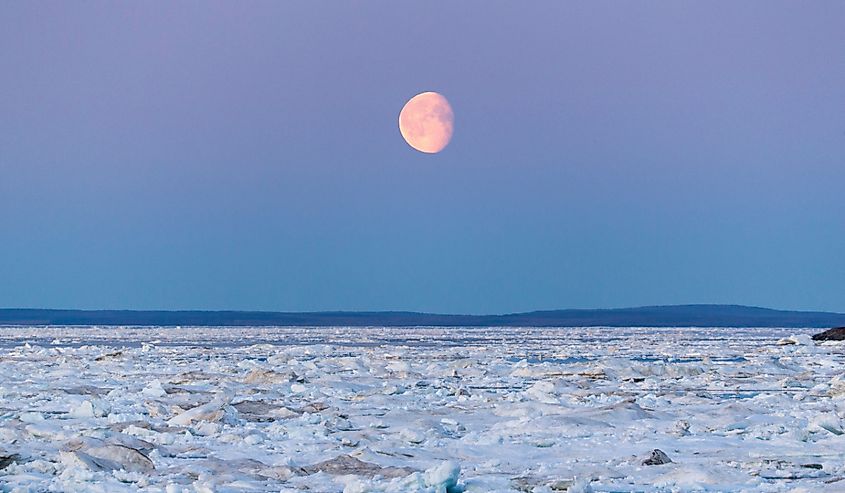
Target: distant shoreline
(649, 316)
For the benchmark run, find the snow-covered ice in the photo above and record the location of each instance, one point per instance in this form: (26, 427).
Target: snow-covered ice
(115, 409)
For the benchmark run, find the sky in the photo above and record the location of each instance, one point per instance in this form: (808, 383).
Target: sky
(246, 155)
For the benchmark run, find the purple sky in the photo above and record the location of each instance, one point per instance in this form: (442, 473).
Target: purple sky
(247, 156)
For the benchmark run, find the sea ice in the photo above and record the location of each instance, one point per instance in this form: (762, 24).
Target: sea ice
(419, 410)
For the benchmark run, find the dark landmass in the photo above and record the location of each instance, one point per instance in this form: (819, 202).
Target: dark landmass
(649, 316)
(835, 334)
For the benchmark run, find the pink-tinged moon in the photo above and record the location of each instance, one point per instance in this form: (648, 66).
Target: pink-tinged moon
(426, 122)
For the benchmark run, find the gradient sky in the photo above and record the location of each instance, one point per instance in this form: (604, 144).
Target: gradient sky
(246, 155)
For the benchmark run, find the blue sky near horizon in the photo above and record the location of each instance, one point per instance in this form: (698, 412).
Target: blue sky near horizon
(223, 155)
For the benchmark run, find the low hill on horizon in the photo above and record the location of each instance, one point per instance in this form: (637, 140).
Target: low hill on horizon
(647, 316)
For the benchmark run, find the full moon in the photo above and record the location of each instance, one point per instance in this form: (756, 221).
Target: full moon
(426, 122)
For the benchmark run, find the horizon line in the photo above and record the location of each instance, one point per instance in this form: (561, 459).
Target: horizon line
(420, 312)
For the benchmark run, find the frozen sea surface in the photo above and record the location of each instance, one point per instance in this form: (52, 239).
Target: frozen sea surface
(419, 410)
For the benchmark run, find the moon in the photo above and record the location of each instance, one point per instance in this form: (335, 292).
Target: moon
(426, 122)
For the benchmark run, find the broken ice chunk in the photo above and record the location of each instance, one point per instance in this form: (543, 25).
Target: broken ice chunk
(154, 389)
(444, 476)
(99, 455)
(827, 422)
(88, 409)
(800, 339)
(346, 464)
(212, 411)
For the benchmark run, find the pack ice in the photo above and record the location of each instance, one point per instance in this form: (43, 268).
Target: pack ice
(354, 410)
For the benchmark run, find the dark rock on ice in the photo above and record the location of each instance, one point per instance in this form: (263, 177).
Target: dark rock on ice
(657, 458)
(7, 460)
(835, 334)
(104, 357)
